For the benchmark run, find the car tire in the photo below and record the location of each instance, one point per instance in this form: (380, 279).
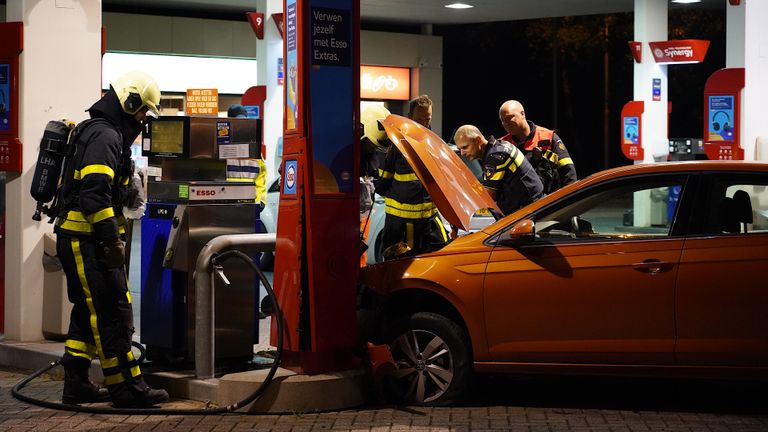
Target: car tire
(433, 360)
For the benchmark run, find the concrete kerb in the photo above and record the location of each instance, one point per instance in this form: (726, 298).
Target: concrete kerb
(288, 393)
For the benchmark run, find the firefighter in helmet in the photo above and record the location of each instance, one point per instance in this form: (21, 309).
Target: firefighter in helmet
(90, 231)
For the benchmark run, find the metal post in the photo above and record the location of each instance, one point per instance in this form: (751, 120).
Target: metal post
(203, 277)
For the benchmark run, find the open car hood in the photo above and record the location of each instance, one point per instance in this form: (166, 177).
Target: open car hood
(453, 187)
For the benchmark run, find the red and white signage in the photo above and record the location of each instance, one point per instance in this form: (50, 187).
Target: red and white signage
(679, 51)
(637, 50)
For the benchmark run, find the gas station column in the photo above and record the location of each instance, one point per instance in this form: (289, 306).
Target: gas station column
(650, 78)
(269, 56)
(747, 47)
(59, 77)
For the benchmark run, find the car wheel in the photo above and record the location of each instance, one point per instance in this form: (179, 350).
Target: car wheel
(432, 358)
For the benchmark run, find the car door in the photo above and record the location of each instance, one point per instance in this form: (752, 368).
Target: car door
(597, 284)
(722, 295)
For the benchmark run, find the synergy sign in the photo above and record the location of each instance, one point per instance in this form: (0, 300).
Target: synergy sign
(384, 83)
(679, 51)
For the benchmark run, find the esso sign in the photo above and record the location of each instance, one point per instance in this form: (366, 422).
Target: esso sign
(290, 177)
(205, 192)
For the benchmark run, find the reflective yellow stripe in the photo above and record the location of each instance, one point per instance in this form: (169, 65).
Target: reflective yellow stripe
(101, 215)
(240, 179)
(385, 174)
(80, 346)
(410, 211)
(504, 165)
(95, 169)
(440, 226)
(88, 298)
(518, 160)
(406, 177)
(77, 222)
(79, 354)
(497, 176)
(564, 162)
(135, 371)
(114, 379)
(125, 181)
(409, 234)
(110, 363)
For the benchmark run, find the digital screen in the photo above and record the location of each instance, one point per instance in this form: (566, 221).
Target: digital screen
(167, 137)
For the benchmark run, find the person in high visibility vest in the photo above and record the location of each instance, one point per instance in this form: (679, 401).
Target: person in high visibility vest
(411, 216)
(507, 175)
(542, 147)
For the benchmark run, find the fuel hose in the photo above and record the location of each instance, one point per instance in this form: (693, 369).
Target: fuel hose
(216, 259)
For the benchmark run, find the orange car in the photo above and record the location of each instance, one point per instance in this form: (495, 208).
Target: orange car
(645, 269)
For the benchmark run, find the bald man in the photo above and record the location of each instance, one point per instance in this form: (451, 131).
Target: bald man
(507, 174)
(542, 147)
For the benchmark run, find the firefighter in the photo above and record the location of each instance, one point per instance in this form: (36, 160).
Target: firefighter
(507, 174)
(411, 216)
(542, 147)
(90, 231)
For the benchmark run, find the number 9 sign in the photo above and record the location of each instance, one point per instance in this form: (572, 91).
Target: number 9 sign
(256, 19)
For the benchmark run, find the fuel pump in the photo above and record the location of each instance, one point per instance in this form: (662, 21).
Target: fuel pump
(317, 256)
(189, 203)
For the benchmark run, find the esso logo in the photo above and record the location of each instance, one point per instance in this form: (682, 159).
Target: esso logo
(658, 53)
(205, 192)
(290, 177)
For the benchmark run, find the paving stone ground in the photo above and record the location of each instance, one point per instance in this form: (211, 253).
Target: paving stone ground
(498, 404)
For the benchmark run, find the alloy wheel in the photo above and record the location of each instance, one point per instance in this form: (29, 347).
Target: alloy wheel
(425, 366)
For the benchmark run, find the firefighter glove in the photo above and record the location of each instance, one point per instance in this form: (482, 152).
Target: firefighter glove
(113, 253)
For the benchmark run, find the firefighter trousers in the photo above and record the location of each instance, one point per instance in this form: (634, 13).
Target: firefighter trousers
(420, 234)
(101, 323)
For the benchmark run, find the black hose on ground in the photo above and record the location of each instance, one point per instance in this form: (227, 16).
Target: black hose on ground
(16, 390)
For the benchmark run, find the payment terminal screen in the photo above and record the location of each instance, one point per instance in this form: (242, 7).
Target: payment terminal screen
(168, 137)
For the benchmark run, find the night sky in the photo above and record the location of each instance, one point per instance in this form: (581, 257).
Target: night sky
(486, 64)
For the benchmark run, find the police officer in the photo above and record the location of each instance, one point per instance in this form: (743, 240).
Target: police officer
(507, 174)
(90, 228)
(541, 146)
(411, 216)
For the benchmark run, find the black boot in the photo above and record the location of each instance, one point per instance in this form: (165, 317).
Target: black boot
(135, 393)
(78, 387)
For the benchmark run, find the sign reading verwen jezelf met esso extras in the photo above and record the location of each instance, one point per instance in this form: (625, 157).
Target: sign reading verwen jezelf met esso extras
(202, 102)
(330, 43)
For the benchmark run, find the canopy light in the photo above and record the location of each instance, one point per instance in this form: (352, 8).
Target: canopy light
(459, 6)
(686, 1)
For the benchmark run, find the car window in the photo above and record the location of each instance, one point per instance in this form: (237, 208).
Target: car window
(734, 204)
(627, 209)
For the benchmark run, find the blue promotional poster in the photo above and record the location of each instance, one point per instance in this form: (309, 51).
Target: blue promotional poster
(331, 55)
(631, 130)
(291, 66)
(5, 97)
(253, 111)
(721, 120)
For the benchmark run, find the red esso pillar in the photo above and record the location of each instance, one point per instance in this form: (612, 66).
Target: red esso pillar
(317, 257)
(722, 114)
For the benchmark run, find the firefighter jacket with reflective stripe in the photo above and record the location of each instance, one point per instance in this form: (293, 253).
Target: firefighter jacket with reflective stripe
(405, 196)
(552, 150)
(507, 172)
(97, 179)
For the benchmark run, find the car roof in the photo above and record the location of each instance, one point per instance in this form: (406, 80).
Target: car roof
(633, 170)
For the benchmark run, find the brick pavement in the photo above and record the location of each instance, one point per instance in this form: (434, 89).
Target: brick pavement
(18, 416)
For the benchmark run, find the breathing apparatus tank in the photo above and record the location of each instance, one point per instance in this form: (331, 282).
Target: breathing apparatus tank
(54, 147)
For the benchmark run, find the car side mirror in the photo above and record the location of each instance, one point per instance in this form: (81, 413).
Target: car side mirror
(522, 232)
